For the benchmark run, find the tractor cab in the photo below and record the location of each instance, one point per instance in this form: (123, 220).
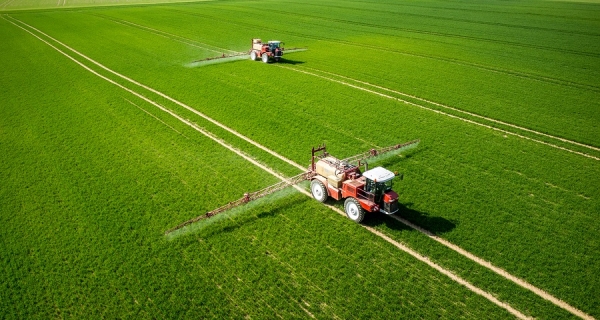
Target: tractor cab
(275, 45)
(378, 181)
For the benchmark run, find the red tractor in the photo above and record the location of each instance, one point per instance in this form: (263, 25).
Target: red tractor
(266, 51)
(369, 191)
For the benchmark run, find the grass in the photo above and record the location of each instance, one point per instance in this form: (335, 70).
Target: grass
(92, 181)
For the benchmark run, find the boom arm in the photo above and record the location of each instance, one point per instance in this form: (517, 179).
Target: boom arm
(247, 198)
(376, 152)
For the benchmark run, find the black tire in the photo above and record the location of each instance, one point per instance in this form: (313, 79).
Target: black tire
(265, 58)
(353, 210)
(317, 188)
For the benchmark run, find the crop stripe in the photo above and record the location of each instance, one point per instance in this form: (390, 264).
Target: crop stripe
(230, 130)
(167, 35)
(443, 113)
(460, 110)
(509, 72)
(5, 4)
(454, 247)
(159, 32)
(541, 293)
(400, 246)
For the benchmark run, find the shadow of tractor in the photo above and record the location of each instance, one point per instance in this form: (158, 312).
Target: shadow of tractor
(290, 62)
(433, 224)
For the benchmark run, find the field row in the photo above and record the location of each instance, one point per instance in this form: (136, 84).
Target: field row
(491, 201)
(239, 284)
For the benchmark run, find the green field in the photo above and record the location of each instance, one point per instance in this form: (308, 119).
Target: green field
(504, 96)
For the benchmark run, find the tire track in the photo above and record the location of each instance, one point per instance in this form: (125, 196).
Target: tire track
(443, 113)
(181, 104)
(400, 93)
(155, 117)
(5, 4)
(165, 34)
(400, 246)
(514, 73)
(425, 32)
(463, 9)
(460, 110)
(488, 23)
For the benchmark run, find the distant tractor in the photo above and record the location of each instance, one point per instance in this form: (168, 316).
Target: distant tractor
(273, 50)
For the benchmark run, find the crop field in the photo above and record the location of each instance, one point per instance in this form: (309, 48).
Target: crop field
(114, 128)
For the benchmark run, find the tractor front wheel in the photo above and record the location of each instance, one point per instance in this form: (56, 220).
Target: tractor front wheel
(353, 210)
(253, 55)
(265, 58)
(318, 190)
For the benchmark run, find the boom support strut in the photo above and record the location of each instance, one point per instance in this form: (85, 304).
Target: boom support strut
(342, 165)
(247, 198)
(376, 152)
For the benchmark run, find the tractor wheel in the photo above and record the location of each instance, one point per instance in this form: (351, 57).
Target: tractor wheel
(277, 59)
(253, 55)
(265, 58)
(318, 190)
(353, 210)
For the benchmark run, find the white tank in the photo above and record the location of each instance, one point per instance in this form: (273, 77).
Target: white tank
(323, 168)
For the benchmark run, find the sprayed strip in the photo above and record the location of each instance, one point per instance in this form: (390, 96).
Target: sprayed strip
(237, 134)
(443, 113)
(459, 110)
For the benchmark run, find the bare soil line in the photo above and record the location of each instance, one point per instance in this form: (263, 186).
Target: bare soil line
(424, 259)
(459, 110)
(443, 113)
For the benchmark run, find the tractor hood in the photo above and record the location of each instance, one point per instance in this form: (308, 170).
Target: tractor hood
(379, 174)
(390, 196)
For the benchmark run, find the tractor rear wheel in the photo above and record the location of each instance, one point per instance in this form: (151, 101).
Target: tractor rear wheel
(317, 188)
(353, 210)
(265, 58)
(253, 55)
